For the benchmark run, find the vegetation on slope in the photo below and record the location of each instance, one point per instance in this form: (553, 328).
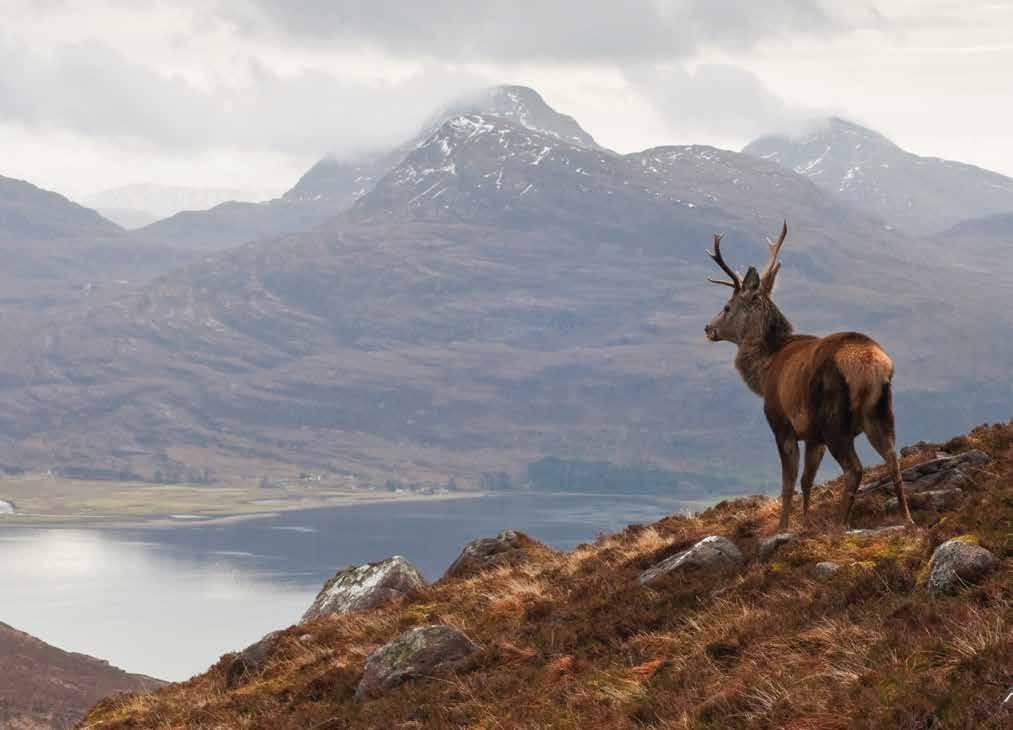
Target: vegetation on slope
(572, 640)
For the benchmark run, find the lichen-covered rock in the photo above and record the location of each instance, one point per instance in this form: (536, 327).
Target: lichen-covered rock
(770, 545)
(362, 587)
(934, 499)
(711, 553)
(945, 472)
(507, 548)
(956, 563)
(424, 651)
(827, 568)
(251, 659)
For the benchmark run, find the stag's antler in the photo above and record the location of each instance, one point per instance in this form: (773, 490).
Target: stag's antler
(773, 265)
(736, 282)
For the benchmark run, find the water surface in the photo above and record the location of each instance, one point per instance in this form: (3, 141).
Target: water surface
(168, 602)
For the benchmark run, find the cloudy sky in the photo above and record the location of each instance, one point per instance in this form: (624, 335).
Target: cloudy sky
(248, 93)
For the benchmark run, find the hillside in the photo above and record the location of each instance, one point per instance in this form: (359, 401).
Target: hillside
(499, 297)
(829, 629)
(919, 195)
(44, 687)
(58, 253)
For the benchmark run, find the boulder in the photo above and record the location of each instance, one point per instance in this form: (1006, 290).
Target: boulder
(934, 499)
(827, 568)
(945, 472)
(770, 545)
(956, 563)
(251, 660)
(362, 587)
(507, 548)
(6, 507)
(424, 651)
(711, 553)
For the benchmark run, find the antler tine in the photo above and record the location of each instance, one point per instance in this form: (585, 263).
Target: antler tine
(736, 282)
(774, 248)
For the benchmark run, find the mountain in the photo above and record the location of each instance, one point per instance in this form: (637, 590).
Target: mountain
(919, 195)
(44, 687)
(498, 297)
(139, 204)
(31, 213)
(57, 252)
(333, 185)
(694, 621)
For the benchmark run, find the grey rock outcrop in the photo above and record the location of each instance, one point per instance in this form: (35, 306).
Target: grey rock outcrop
(711, 553)
(424, 651)
(771, 545)
(827, 568)
(362, 587)
(251, 660)
(6, 507)
(934, 499)
(946, 472)
(956, 563)
(508, 547)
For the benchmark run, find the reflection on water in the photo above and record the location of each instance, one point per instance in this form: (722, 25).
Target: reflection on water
(169, 602)
(144, 606)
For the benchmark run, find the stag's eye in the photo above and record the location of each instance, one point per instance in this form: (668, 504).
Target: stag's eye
(728, 308)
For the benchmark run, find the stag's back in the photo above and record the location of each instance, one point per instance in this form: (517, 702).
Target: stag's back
(829, 382)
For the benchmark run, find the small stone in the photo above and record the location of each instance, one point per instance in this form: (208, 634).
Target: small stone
(711, 553)
(876, 531)
(827, 568)
(956, 563)
(362, 587)
(771, 545)
(251, 659)
(424, 651)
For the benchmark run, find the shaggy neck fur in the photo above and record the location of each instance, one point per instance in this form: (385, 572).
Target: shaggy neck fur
(757, 349)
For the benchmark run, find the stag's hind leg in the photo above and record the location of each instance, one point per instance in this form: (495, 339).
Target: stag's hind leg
(879, 430)
(813, 456)
(843, 451)
(788, 449)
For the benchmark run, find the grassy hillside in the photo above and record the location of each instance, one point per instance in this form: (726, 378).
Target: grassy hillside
(573, 640)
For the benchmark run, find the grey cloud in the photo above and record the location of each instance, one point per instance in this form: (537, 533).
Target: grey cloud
(716, 100)
(518, 31)
(93, 90)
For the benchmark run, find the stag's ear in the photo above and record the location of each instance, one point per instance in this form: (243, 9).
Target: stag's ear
(751, 281)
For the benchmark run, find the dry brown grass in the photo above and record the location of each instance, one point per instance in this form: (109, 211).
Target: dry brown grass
(572, 640)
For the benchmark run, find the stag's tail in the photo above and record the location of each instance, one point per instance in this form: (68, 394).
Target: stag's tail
(867, 370)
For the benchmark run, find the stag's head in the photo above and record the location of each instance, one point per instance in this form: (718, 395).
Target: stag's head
(747, 312)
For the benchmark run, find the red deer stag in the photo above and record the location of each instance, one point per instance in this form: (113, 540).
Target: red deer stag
(820, 390)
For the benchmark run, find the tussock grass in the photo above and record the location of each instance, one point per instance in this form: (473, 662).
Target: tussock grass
(572, 640)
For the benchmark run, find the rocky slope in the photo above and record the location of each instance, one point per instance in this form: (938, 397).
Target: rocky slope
(920, 195)
(44, 687)
(709, 621)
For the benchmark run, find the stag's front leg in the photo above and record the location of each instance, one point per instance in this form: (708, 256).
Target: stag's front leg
(787, 446)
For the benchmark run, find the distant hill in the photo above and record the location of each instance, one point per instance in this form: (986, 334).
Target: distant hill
(919, 195)
(31, 213)
(161, 201)
(45, 687)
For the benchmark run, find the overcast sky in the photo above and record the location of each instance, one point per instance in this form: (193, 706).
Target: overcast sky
(248, 93)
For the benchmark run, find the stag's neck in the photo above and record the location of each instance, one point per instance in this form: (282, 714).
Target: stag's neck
(756, 353)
